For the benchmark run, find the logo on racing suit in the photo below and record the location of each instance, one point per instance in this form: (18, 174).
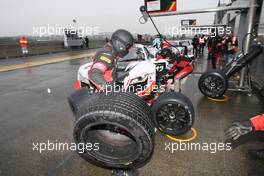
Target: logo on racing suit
(103, 58)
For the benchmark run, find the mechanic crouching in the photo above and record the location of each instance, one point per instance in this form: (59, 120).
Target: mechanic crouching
(103, 71)
(239, 129)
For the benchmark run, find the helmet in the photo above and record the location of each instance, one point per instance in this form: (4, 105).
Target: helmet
(122, 41)
(166, 52)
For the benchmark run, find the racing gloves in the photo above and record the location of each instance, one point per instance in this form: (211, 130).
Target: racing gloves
(238, 129)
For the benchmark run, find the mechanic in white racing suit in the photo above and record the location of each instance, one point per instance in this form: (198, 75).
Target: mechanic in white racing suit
(157, 42)
(103, 73)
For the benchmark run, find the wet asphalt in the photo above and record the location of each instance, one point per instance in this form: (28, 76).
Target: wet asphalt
(34, 109)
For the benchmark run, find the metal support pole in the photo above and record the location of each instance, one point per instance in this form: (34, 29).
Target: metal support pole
(195, 11)
(251, 19)
(208, 10)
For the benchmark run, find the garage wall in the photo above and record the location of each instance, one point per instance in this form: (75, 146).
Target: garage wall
(258, 64)
(257, 69)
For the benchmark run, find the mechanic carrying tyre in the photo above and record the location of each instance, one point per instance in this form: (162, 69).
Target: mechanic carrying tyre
(103, 73)
(119, 123)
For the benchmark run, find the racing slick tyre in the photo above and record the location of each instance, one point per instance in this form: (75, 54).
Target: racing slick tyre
(173, 113)
(77, 98)
(213, 84)
(118, 129)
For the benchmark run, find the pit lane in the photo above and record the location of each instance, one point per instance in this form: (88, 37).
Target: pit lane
(30, 113)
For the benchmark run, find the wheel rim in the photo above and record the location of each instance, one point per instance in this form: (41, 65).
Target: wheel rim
(213, 86)
(172, 117)
(116, 144)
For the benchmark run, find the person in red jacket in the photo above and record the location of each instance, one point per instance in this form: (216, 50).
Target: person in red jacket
(230, 48)
(238, 129)
(24, 45)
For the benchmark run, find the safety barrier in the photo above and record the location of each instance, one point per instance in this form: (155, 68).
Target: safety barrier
(11, 50)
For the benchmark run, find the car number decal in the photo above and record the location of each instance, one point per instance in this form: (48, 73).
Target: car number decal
(160, 67)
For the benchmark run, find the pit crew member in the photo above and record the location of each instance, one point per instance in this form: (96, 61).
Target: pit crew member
(103, 73)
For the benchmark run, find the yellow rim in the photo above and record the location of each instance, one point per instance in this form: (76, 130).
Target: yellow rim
(225, 98)
(184, 140)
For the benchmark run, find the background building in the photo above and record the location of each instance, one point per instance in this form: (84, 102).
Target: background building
(238, 20)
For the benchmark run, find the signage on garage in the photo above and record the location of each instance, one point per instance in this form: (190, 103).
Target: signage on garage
(159, 6)
(189, 22)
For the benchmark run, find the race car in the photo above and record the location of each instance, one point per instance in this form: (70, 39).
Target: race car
(145, 56)
(139, 66)
(183, 47)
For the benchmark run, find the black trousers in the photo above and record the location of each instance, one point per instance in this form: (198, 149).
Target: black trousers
(195, 51)
(213, 59)
(201, 50)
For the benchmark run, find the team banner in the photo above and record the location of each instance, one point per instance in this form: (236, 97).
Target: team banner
(159, 6)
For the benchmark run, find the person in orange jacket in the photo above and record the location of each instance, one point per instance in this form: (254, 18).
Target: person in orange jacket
(201, 44)
(238, 129)
(24, 45)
